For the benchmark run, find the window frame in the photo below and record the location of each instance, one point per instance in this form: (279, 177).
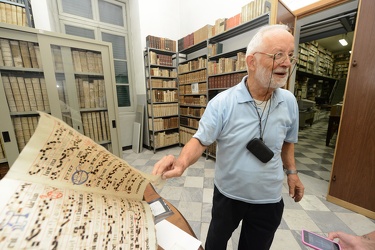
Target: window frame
(99, 27)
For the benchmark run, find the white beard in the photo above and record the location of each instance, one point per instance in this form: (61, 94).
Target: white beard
(262, 75)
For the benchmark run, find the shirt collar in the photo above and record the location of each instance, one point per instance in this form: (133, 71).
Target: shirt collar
(243, 95)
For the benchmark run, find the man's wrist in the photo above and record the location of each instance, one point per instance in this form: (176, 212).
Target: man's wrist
(291, 171)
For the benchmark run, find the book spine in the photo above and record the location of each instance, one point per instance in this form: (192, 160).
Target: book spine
(16, 53)
(25, 54)
(104, 126)
(16, 93)
(44, 94)
(38, 56)
(38, 93)
(9, 94)
(33, 59)
(30, 94)
(7, 52)
(24, 95)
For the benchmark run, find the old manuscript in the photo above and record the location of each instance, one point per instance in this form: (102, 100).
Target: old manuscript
(67, 192)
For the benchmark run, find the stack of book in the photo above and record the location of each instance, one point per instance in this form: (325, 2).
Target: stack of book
(13, 13)
(87, 61)
(20, 54)
(96, 125)
(24, 128)
(158, 110)
(25, 93)
(160, 43)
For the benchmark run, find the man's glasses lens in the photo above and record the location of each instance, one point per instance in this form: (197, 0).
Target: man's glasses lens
(281, 57)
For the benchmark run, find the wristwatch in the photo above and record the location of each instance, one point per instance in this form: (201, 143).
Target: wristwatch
(288, 172)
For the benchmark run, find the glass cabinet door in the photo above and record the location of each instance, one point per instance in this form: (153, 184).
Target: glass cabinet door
(81, 90)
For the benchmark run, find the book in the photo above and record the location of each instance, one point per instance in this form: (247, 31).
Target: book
(38, 56)
(23, 92)
(6, 52)
(25, 54)
(43, 88)
(66, 191)
(33, 59)
(3, 13)
(38, 93)
(16, 53)
(9, 94)
(16, 93)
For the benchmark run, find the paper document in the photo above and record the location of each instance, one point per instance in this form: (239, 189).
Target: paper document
(171, 237)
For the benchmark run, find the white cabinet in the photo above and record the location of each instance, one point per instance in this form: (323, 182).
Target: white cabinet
(69, 77)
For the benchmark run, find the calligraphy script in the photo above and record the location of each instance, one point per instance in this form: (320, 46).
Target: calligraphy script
(64, 191)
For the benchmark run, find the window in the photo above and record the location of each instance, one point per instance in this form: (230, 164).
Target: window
(110, 13)
(108, 24)
(80, 8)
(79, 31)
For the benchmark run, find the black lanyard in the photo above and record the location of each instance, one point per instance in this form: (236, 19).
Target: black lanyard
(261, 132)
(261, 116)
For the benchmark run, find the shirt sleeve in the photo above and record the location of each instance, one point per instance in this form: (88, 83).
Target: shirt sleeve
(211, 122)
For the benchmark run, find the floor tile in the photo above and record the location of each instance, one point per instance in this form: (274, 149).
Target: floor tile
(192, 193)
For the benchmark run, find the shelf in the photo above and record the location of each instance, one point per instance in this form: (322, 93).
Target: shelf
(187, 126)
(192, 105)
(228, 54)
(160, 51)
(161, 66)
(191, 59)
(21, 69)
(228, 73)
(311, 75)
(190, 116)
(162, 130)
(242, 28)
(163, 77)
(195, 47)
(196, 70)
(194, 94)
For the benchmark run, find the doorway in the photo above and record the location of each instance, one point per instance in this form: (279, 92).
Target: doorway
(320, 82)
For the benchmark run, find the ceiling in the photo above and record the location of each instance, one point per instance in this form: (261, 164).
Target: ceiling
(328, 31)
(332, 43)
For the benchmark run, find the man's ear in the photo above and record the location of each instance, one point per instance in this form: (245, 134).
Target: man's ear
(250, 61)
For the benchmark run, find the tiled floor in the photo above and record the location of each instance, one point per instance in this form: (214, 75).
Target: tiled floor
(192, 193)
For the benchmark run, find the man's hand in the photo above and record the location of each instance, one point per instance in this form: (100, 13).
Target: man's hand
(168, 167)
(296, 188)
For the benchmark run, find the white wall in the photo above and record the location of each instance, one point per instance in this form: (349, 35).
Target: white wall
(195, 14)
(163, 18)
(175, 19)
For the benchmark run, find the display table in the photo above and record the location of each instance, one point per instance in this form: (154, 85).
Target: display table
(177, 218)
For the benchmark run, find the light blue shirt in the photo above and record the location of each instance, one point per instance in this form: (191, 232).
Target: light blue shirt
(231, 119)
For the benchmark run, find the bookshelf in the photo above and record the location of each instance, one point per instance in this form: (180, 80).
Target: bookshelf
(162, 97)
(192, 84)
(68, 77)
(224, 46)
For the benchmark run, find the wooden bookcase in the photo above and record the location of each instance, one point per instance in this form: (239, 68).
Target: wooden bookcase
(69, 77)
(162, 97)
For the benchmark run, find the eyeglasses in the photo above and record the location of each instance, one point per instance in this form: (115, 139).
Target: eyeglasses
(280, 57)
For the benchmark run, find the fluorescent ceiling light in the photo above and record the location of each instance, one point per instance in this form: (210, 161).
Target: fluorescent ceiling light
(343, 42)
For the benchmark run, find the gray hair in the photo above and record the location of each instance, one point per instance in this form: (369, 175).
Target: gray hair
(257, 41)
